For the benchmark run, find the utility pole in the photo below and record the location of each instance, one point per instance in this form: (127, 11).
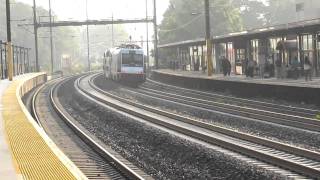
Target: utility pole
(147, 24)
(9, 43)
(88, 40)
(35, 26)
(208, 38)
(155, 33)
(51, 40)
(112, 32)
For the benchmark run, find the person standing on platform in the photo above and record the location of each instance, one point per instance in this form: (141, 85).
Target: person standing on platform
(267, 68)
(197, 65)
(295, 67)
(245, 67)
(224, 65)
(250, 68)
(307, 69)
(204, 68)
(279, 68)
(228, 67)
(262, 63)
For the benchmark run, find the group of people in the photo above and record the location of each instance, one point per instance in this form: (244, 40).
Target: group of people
(249, 67)
(266, 66)
(295, 68)
(173, 65)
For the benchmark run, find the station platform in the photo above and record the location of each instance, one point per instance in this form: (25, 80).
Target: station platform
(287, 89)
(26, 151)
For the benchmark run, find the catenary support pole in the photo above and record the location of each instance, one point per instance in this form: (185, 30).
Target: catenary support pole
(9, 43)
(156, 58)
(112, 32)
(208, 38)
(147, 26)
(35, 26)
(51, 40)
(88, 38)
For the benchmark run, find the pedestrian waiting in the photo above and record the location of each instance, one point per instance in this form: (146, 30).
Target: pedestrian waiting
(250, 68)
(279, 68)
(262, 63)
(307, 69)
(226, 66)
(295, 67)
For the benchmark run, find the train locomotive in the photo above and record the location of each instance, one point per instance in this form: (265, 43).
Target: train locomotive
(125, 63)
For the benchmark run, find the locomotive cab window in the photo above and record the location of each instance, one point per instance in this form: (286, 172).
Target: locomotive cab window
(132, 60)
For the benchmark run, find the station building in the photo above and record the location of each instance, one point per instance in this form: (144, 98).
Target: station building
(285, 42)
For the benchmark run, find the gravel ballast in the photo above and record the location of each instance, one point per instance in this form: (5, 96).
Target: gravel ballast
(159, 153)
(293, 136)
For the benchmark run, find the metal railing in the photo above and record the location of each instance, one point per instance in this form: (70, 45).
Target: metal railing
(21, 60)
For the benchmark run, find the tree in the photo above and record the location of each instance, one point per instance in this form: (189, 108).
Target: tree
(281, 11)
(184, 20)
(253, 13)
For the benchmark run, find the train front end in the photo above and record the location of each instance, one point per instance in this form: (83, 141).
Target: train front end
(132, 66)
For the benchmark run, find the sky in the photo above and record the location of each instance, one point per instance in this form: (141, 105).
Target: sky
(105, 9)
(101, 9)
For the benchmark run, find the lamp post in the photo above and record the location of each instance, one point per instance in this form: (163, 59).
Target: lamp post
(9, 43)
(208, 38)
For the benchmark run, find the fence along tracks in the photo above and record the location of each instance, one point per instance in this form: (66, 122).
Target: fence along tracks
(96, 161)
(295, 159)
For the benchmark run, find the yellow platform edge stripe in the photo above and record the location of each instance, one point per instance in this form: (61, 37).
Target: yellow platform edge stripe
(35, 155)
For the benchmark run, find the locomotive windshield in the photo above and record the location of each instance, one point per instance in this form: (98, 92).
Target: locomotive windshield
(132, 60)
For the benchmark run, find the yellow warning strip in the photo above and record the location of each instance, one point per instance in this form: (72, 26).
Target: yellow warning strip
(34, 158)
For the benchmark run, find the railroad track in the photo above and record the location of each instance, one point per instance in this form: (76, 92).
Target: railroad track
(295, 159)
(280, 114)
(267, 106)
(92, 157)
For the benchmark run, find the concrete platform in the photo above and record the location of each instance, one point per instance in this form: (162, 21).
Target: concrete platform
(7, 168)
(285, 89)
(26, 151)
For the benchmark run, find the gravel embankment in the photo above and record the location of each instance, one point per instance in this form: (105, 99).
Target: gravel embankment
(284, 134)
(158, 153)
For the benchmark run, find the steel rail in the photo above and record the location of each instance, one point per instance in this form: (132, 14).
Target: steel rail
(33, 102)
(244, 136)
(248, 102)
(131, 174)
(278, 112)
(258, 114)
(296, 167)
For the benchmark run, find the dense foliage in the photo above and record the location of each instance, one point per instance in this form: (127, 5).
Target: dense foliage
(184, 19)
